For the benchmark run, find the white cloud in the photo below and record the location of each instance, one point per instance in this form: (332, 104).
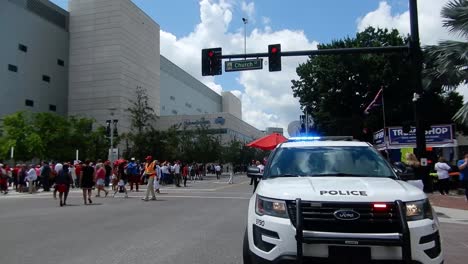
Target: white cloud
(430, 21)
(463, 90)
(267, 98)
(249, 10)
(266, 20)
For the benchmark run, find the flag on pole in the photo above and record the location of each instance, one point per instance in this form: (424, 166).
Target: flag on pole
(378, 101)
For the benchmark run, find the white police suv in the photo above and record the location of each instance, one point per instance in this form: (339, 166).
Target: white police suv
(337, 202)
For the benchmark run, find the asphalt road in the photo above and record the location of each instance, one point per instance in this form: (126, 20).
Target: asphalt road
(203, 223)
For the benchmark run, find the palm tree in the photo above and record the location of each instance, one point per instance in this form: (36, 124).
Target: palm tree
(447, 63)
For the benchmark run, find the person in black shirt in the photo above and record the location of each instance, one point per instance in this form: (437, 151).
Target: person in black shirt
(63, 180)
(108, 168)
(45, 175)
(87, 181)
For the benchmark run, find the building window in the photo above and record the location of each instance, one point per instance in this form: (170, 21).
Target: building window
(23, 48)
(29, 103)
(12, 68)
(46, 78)
(172, 98)
(60, 62)
(174, 112)
(163, 107)
(188, 105)
(53, 108)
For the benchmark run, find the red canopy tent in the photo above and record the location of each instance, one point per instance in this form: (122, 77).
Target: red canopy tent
(268, 142)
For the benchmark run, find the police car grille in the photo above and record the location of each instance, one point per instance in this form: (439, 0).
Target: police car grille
(319, 216)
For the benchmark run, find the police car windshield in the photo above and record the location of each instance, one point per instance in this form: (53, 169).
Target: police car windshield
(328, 161)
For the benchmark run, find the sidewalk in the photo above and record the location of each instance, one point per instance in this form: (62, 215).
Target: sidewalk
(448, 201)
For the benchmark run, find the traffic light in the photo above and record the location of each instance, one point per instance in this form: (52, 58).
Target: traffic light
(211, 61)
(274, 57)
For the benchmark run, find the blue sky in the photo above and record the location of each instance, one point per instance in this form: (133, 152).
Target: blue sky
(187, 26)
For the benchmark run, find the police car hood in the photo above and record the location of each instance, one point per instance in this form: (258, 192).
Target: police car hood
(345, 189)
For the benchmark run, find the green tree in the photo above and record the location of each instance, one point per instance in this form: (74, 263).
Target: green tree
(142, 114)
(19, 132)
(447, 62)
(336, 89)
(142, 117)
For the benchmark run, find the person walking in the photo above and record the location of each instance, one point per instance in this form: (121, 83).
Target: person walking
(134, 176)
(443, 169)
(3, 180)
(63, 180)
(150, 172)
(45, 175)
(463, 167)
(218, 171)
(87, 181)
(31, 178)
(176, 169)
(414, 166)
(185, 173)
(101, 179)
(107, 166)
(157, 179)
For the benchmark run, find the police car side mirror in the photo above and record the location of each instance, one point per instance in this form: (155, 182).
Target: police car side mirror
(407, 176)
(254, 172)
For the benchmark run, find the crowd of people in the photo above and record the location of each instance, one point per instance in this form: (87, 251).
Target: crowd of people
(102, 176)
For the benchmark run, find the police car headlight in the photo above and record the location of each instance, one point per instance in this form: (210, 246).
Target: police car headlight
(272, 207)
(418, 210)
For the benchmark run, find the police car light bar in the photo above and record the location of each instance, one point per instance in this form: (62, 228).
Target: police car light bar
(311, 138)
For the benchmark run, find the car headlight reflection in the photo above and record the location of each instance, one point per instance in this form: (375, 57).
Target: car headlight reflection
(272, 207)
(418, 210)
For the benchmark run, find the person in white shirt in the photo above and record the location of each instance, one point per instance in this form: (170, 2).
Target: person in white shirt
(158, 177)
(176, 169)
(218, 171)
(31, 177)
(443, 169)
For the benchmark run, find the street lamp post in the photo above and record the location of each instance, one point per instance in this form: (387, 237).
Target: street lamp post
(112, 122)
(245, 20)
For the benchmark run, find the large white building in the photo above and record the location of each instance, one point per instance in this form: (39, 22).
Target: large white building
(89, 60)
(114, 47)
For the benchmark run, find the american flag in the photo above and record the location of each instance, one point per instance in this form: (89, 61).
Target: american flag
(378, 101)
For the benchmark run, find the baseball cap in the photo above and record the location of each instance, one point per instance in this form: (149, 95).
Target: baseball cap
(132, 159)
(149, 158)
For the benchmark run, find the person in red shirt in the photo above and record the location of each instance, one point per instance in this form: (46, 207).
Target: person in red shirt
(185, 172)
(78, 169)
(100, 179)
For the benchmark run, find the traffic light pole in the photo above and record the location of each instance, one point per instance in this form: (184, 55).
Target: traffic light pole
(417, 60)
(344, 51)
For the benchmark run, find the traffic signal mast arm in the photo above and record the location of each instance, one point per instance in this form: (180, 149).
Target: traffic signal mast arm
(344, 51)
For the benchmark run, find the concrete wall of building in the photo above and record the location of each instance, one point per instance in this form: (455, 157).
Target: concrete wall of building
(232, 104)
(271, 130)
(114, 48)
(231, 126)
(182, 94)
(46, 38)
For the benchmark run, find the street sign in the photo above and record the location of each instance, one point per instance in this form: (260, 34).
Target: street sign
(243, 65)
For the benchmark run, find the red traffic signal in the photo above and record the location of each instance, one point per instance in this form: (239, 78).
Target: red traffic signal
(211, 61)
(274, 57)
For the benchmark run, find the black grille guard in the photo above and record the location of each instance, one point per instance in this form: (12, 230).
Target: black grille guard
(401, 239)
